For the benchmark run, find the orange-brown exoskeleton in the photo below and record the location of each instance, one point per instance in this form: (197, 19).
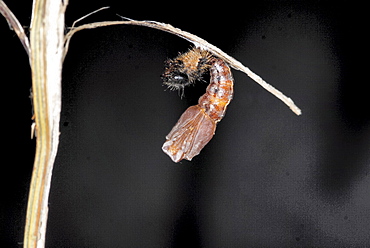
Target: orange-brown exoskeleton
(197, 124)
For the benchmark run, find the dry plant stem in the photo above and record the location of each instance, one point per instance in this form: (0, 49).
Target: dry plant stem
(47, 50)
(15, 25)
(198, 42)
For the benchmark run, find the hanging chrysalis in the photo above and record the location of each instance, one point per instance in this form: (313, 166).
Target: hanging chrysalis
(197, 124)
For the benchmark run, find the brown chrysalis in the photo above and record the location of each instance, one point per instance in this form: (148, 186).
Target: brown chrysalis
(197, 124)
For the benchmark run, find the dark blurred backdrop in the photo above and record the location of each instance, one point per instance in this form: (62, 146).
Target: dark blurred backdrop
(268, 178)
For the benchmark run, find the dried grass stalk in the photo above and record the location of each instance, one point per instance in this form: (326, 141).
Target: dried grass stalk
(198, 42)
(47, 49)
(15, 25)
(46, 58)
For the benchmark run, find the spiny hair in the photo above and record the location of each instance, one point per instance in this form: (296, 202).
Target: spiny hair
(186, 69)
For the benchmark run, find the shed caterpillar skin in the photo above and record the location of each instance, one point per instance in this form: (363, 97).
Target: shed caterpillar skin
(186, 69)
(197, 124)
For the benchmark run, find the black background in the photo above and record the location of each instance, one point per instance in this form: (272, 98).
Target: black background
(268, 178)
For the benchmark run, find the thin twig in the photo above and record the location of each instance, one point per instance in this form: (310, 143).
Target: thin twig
(198, 42)
(15, 25)
(91, 13)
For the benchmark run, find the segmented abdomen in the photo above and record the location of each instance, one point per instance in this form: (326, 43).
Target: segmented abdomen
(219, 91)
(197, 124)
